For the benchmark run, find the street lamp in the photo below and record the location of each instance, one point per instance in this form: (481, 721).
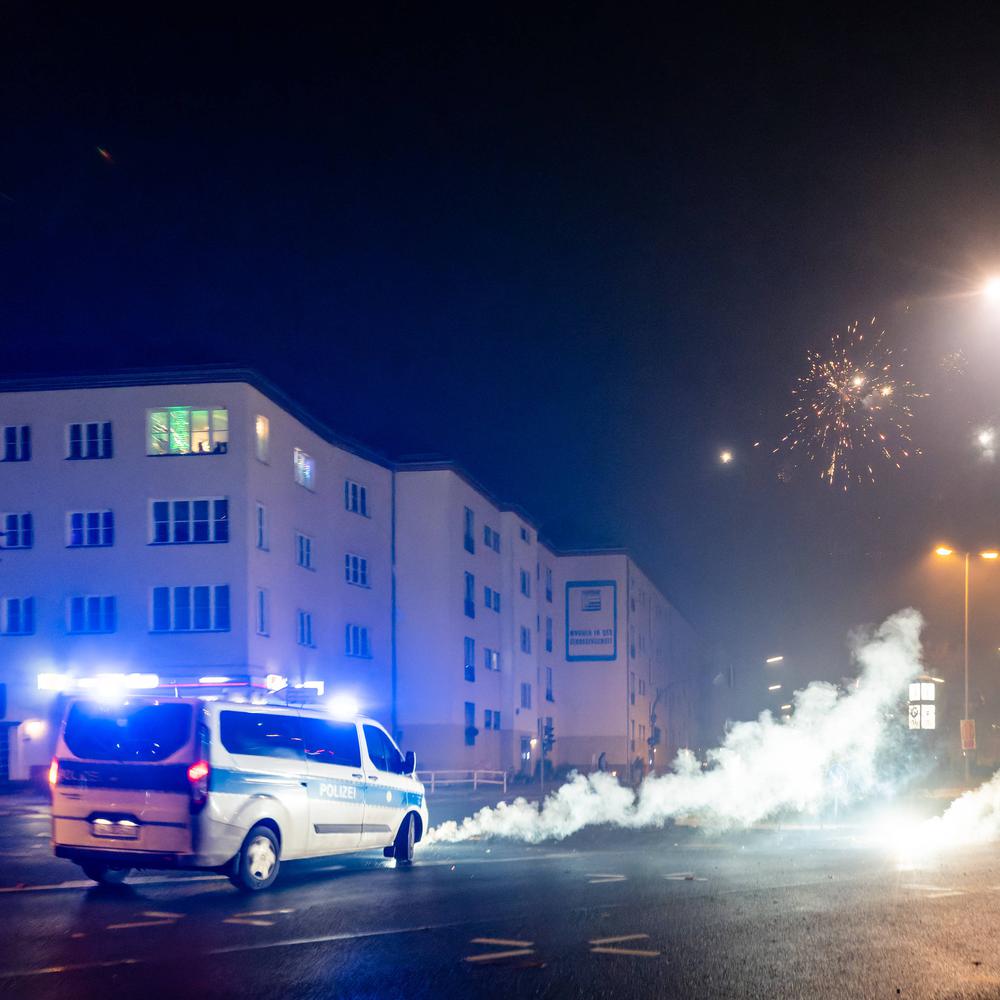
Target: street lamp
(990, 554)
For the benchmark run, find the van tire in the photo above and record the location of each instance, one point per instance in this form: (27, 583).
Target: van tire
(257, 864)
(104, 875)
(402, 847)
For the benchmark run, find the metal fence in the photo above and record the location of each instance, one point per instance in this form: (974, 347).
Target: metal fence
(441, 779)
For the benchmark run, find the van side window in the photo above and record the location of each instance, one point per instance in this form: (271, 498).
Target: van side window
(328, 742)
(260, 735)
(382, 751)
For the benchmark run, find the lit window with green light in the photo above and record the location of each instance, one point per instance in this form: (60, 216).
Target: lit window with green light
(184, 430)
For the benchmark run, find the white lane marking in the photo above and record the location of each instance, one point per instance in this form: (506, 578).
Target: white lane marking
(684, 877)
(252, 919)
(163, 915)
(87, 884)
(139, 923)
(234, 949)
(248, 922)
(509, 942)
(934, 891)
(599, 879)
(619, 939)
(493, 956)
(635, 952)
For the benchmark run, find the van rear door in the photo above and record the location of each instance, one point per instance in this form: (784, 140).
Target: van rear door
(122, 781)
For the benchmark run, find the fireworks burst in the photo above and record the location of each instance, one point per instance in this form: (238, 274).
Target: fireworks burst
(852, 409)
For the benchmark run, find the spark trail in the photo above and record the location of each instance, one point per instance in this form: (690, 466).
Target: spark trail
(763, 768)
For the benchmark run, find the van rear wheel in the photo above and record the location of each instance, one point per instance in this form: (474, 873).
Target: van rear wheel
(103, 874)
(402, 847)
(258, 862)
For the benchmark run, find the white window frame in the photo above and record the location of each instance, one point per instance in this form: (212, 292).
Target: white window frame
(262, 438)
(105, 447)
(216, 432)
(105, 530)
(262, 611)
(304, 635)
(356, 570)
(304, 469)
(106, 614)
(172, 521)
(305, 547)
(21, 451)
(25, 528)
(214, 594)
(525, 694)
(357, 641)
(356, 498)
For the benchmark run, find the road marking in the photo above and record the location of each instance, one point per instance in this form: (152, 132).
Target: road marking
(684, 877)
(934, 891)
(503, 941)
(599, 879)
(162, 915)
(252, 919)
(138, 923)
(234, 949)
(493, 956)
(88, 884)
(620, 938)
(635, 952)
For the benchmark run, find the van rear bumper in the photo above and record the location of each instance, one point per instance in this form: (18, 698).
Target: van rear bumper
(127, 859)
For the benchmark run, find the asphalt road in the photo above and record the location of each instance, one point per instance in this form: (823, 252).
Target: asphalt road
(667, 913)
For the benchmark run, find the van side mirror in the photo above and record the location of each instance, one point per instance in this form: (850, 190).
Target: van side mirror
(409, 762)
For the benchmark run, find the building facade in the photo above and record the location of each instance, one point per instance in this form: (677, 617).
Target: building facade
(194, 530)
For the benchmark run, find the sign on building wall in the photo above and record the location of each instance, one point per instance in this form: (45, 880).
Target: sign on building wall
(592, 620)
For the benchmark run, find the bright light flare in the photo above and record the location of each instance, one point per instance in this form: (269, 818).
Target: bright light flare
(725, 457)
(943, 550)
(774, 659)
(343, 706)
(991, 289)
(34, 729)
(991, 554)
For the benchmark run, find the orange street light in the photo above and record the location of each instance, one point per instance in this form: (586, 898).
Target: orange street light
(943, 550)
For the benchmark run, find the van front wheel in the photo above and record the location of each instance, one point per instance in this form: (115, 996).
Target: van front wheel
(103, 875)
(258, 862)
(402, 847)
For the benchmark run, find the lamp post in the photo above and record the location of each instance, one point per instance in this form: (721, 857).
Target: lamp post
(944, 551)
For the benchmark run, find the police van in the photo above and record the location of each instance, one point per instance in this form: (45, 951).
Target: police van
(231, 787)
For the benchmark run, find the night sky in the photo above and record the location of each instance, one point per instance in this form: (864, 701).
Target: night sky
(580, 255)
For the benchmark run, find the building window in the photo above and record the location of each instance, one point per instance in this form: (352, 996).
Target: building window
(355, 498)
(191, 609)
(491, 659)
(548, 635)
(183, 430)
(356, 570)
(470, 596)
(356, 641)
(525, 695)
(260, 523)
(304, 628)
(187, 522)
(304, 548)
(496, 718)
(491, 538)
(525, 748)
(525, 639)
(525, 583)
(548, 584)
(93, 615)
(18, 531)
(91, 440)
(525, 535)
(91, 529)
(488, 718)
(262, 438)
(470, 659)
(631, 689)
(548, 684)
(470, 724)
(263, 612)
(17, 616)
(496, 600)
(470, 540)
(17, 443)
(305, 469)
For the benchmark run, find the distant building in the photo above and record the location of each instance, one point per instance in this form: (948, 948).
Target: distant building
(195, 531)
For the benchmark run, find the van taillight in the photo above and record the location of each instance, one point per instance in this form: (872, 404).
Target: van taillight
(198, 774)
(54, 772)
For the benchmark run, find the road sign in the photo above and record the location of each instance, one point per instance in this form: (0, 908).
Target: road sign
(967, 729)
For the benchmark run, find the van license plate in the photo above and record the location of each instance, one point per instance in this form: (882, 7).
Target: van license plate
(115, 830)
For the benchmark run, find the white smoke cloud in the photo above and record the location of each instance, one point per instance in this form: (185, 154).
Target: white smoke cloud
(827, 749)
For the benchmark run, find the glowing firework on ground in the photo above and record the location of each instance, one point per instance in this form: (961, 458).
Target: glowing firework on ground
(852, 409)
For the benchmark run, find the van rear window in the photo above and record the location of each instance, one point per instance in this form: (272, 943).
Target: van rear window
(139, 732)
